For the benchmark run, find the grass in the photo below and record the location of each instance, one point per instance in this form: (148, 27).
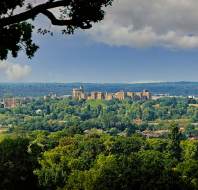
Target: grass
(95, 103)
(3, 136)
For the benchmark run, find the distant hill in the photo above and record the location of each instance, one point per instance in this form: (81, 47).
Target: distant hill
(40, 89)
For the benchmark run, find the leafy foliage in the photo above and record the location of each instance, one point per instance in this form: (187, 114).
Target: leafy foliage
(17, 165)
(92, 145)
(15, 38)
(16, 30)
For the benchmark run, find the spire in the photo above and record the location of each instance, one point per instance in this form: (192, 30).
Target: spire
(82, 88)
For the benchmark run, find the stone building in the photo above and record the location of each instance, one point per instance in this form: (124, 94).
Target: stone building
(100, 96)
(109, 96)
(94, 95)
(120, 95)
(78, 93)
(146, 95)
(130, 94)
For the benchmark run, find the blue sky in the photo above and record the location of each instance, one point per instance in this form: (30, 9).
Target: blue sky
(114, 52)
(79, 59)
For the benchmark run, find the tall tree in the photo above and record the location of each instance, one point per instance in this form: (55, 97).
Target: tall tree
(175, 139)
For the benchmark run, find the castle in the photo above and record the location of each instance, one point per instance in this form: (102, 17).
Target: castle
(79, 93)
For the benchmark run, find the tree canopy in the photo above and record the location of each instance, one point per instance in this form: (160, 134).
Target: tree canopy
(98, 144)
(17, 20)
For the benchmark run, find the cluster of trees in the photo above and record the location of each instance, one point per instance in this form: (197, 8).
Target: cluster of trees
(90, 145)
(71, 159)
(114, 116)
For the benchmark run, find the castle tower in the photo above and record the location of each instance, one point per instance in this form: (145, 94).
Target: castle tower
(78, 93)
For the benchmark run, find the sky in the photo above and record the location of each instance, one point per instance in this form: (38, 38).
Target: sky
(138, 41)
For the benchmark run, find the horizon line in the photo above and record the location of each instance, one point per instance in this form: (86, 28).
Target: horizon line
(85, 82)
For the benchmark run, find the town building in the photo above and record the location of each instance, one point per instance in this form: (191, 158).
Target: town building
(130, 94)
(79, 93)
(100, 96)
(146, 95)
(94, 95)
(108, 96)
(10, 103)
(120, 95)
(50, 96)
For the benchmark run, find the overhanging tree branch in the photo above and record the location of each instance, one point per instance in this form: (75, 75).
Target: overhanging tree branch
(32, 13)
(15, 30)
(66, 22)
(56, 21)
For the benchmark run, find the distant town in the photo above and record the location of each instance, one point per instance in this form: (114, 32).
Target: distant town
(79, 93)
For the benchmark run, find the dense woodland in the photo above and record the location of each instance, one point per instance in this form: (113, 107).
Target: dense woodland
(59, 144)
(113, 117)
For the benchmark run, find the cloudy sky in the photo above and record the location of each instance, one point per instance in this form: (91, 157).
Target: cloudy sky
(138, 41)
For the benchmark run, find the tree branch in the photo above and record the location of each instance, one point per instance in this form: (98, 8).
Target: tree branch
(56, 21)
(32, 13)
(67, 22)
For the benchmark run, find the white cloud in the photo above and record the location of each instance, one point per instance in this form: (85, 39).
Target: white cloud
(145, 23)
(14, 72)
